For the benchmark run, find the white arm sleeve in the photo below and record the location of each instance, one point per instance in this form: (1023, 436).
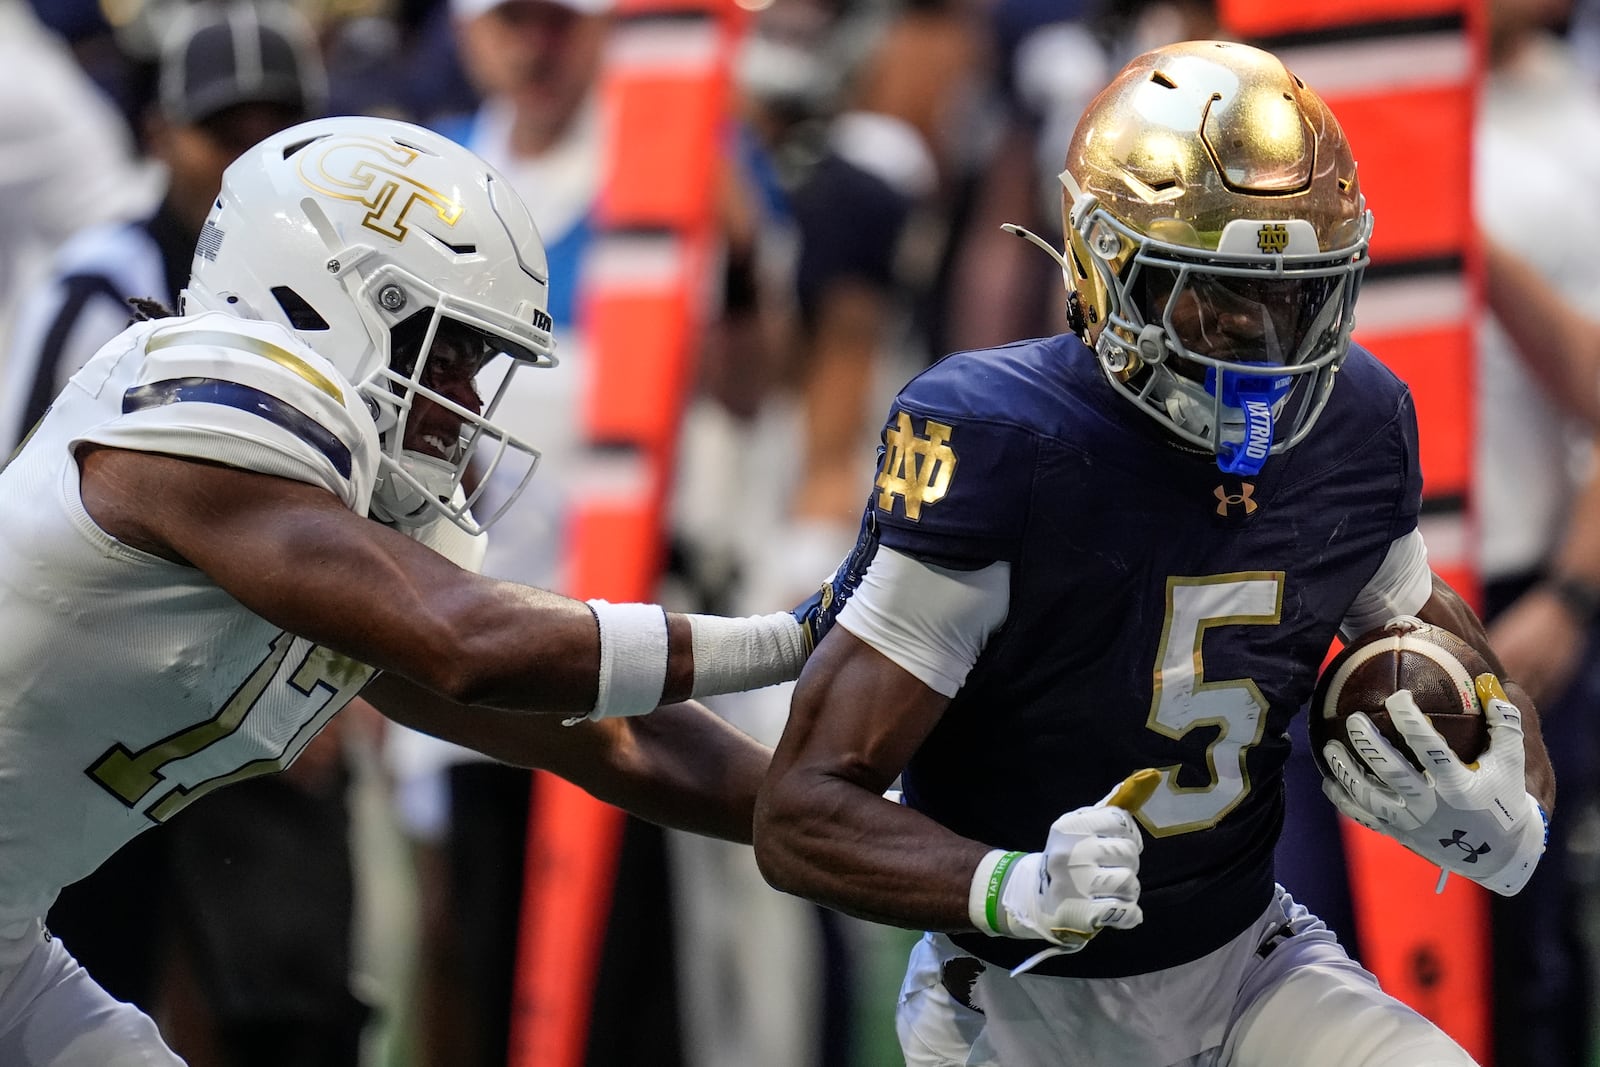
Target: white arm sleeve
(1402, 585)
(929, 620)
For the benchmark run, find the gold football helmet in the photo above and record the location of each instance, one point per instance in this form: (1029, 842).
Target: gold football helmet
(1216, 236)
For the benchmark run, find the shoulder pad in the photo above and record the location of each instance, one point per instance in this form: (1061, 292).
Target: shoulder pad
(250, 395)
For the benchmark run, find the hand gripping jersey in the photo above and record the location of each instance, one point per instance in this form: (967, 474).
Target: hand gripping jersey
(130, 686)
(1162, 614)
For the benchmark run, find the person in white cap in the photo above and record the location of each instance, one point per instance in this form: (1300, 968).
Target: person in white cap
(535, 65)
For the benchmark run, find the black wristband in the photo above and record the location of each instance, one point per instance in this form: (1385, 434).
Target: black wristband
(1581, 598)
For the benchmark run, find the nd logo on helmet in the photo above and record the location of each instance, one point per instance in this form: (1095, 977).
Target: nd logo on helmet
(1273, 237)
(372, 172)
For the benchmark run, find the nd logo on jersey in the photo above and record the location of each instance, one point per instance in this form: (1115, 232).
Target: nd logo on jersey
(373, 172)
(916, 469)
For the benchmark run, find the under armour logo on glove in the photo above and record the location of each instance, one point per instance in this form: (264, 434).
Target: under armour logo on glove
(1485, 801)
(1457, 839)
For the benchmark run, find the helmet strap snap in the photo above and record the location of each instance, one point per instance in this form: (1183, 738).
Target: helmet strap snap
(1075, 317)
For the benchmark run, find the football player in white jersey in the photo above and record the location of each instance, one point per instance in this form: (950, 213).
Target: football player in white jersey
(235, 519)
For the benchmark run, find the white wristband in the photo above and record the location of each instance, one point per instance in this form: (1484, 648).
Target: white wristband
(732, 655)
(633, 659)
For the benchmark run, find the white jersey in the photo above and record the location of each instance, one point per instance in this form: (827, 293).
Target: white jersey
(129, 685)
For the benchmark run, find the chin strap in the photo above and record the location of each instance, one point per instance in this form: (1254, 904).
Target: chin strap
(402, 495)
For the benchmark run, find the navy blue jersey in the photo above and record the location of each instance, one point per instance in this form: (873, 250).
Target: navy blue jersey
(1162, 614)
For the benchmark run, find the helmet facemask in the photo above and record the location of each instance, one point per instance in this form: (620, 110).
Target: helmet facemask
(437, 433)
(1235, 352)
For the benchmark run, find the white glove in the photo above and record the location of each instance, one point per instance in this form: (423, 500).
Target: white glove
(1476, 819)
(1086, 879)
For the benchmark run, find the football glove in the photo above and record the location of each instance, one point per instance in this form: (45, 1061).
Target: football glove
(1086, 879)
(816, 614)
(1474, 819)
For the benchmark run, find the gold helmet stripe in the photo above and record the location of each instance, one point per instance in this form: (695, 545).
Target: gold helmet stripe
(255, 346)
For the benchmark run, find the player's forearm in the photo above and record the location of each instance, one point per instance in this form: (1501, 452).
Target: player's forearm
(503, 645)
(685, 768)
(681, 767)
(1577, 559)
(849, 849)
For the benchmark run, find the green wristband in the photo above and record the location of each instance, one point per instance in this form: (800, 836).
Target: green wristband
(997, 878)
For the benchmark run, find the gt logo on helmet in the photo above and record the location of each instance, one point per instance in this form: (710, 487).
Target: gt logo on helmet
(372, 172)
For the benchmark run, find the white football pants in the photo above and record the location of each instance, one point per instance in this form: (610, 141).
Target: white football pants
(52, 1014)
(1304, 1003)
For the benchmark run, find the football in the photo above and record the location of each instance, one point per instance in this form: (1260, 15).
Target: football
(1405, 653)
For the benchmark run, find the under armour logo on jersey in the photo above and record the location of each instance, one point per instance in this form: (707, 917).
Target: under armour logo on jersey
(915, 468)
(1273, 237)
(372, 171)
(1227, 501)
(1457, 839)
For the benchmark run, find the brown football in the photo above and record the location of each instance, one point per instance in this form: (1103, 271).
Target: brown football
(1405, 653)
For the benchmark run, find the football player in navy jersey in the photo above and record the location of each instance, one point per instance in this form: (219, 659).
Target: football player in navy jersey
(1098, 574)
(235, 519)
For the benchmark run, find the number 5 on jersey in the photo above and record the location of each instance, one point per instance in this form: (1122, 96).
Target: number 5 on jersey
(1184, 699)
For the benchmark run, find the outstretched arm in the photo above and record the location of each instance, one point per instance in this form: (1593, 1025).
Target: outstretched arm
(681, 767)
(294, 555)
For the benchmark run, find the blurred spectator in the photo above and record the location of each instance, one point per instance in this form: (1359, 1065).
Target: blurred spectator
(66, 158)
(232, 927)
(864, 113)
(393, 58)
(230, 77)
(1049, 61)
(1537, 155)
(872, 244)
(535, 66)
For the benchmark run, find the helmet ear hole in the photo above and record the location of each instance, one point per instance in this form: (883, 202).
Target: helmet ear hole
(301, 315)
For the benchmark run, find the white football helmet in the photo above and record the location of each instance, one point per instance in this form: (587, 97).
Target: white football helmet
(1216, 238)
(366, 236)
